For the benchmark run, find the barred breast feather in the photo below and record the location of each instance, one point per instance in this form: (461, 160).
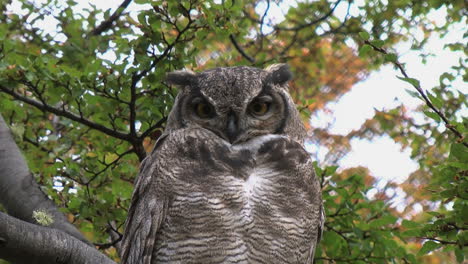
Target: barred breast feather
(256, 202)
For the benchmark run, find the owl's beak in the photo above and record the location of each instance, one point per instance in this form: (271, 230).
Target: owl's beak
(232, 129)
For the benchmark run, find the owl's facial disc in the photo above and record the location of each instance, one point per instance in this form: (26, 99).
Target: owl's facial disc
(260, 108)
(237, 104)
(264, 114)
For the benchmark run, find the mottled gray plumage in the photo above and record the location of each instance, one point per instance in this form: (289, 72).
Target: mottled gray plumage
(229, 181)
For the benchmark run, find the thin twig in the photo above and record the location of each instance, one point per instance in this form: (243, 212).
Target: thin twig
(262, 23)
(106, 24)
(300, 26)
(421, 92)
(116, 237)
(107, 166)
(345, 20)
(240, 50)
(153, 127)
(132, 106)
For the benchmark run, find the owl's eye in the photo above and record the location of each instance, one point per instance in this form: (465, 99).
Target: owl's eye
(204, 110)
(259, 108)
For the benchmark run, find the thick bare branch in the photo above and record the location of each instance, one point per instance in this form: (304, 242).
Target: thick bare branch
(19, 192)
(22, 242)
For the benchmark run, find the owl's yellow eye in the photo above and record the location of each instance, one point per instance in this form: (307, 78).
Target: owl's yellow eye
(259, 108)
(204, 110)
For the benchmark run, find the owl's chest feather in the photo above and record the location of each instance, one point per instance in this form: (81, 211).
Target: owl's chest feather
(252, 198)
(253, 183)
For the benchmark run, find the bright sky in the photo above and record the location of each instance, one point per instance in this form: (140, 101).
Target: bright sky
(381, 90)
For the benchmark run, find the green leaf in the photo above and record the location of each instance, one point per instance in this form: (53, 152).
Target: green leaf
(378, 43)
(413, 94)
(121, 188)
(460, 165)
(432, 115)
(383, 221)
(142, 18)
(110, 157)
(447, 76)
(364, 35)
(411, 81)
(447, 194)
(459, 255)
(318, 170)
(428, 247)
(91, 154)
(364, 50)
(18, 131)
(411, 233)
(459, 151)
(437, 214)
(435, 101)
(391, 57)
(330, 170)
(310, 101)
(29, 76)
(410, 224)
(334, 243)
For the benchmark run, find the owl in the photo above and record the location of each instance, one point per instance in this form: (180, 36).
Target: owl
(229, 181)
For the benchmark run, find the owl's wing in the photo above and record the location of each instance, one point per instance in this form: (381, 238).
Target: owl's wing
(145, 216)
(320, 216)
(321, 222)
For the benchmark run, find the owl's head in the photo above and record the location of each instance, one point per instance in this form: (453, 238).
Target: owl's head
(236, 103)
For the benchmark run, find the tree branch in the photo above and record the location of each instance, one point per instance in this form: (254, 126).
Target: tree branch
(314, 22)
(115, 236)
(132, 106)
(300, 26)
(153, 127)
(62, 112)
(20, 193)
(421, 92)
(260, 30)
(106, 24)
(22, 242)
(136, 77)
(240, 50)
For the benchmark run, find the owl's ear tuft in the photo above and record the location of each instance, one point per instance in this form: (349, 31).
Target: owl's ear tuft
(279, 73)
(181, 78)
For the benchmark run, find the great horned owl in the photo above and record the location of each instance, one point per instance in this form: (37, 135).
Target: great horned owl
(229, 181)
